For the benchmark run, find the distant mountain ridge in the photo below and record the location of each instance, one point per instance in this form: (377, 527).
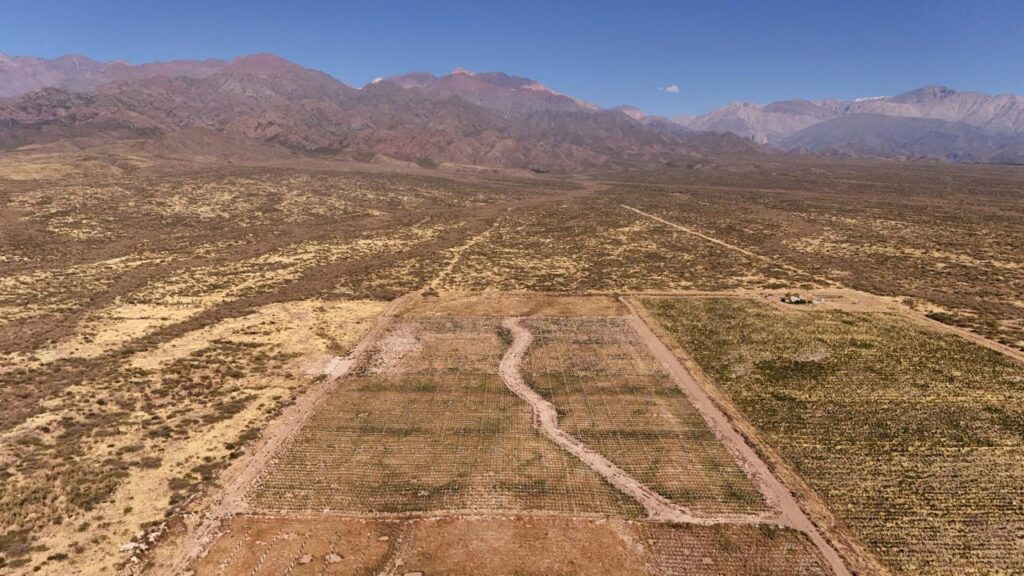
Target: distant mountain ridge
(771, 123)
(23, 74)
(489, 118)
(933, 121)
(877, 135)
(492, 90)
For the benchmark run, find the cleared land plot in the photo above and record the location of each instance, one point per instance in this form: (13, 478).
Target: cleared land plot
(914, 438)
(524, 546)
(504, 304)
(612, 394)
(269, 545)
(424, 423)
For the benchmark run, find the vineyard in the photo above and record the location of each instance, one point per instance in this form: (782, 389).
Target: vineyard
(915, 439)
(615, 397)
(424, 423)
(425, 457)
(728, 550)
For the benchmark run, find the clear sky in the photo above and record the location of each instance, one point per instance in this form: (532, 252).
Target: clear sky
(606, 52)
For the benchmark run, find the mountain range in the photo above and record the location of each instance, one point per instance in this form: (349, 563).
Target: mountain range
(486, 119)
(933, 121)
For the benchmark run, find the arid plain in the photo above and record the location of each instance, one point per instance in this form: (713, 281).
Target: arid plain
(307, 366)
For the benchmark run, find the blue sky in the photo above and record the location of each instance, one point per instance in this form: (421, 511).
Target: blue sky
(606, 52)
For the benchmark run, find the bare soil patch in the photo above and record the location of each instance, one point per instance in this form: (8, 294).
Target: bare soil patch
(529, 546)
(512, 304)
(253, 545)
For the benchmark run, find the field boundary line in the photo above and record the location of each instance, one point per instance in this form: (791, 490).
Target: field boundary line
(229, 500)
(777, 493)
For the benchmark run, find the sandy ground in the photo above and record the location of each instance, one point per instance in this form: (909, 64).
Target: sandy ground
(229, 500)
(502, 545)
(217, 536)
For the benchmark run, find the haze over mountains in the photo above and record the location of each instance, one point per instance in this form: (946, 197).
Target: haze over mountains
(932, 121)
(488, 119)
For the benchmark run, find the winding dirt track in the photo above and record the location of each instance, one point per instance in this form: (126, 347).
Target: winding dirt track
(457, 252)
(545, 418)
(658, 507)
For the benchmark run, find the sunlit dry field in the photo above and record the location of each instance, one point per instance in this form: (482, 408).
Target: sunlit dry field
(111, 445)
(614, 396)
(157, 317)
(913, 438)
(946, 238)
(424, 423)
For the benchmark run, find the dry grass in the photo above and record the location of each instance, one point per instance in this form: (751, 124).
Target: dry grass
(947, 237)
(301, 327)
(592, 244)
(122, 448)
(53, 291)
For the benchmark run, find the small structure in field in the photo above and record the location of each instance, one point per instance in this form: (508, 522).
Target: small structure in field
(798, 299)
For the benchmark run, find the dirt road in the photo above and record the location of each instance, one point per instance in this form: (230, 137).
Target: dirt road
(456, 257)
(824, 281)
